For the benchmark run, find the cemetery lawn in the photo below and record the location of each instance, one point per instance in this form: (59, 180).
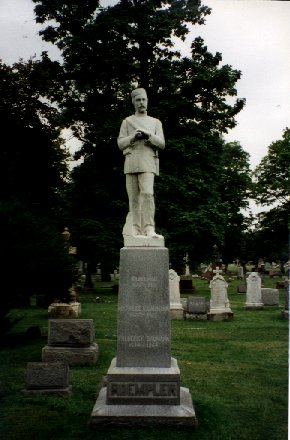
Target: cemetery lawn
(237, 373)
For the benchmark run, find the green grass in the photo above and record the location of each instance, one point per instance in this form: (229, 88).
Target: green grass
(237, 373)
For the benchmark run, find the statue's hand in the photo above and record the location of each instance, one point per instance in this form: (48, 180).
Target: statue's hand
(141, 134)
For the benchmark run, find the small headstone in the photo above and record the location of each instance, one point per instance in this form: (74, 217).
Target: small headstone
(186, 282)
(241, 288)
(176, 309)
(196, 305)
(50, 378)
(71, 341)
(219, 302)
(196, 308)
(254, 292)
(240, 273)
(270, 297)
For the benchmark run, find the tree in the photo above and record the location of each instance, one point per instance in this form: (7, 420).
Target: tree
(33, 166)
(108, 51)
(33, 169)
(270, 238)
(272, 175)
(235, 186)
(272, 186)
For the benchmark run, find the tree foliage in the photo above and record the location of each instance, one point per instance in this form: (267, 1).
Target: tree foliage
(270, 238)
(33, 168)
(32, 163)
(235, 185)
(272, 187)
(272, 175)
(107, 52)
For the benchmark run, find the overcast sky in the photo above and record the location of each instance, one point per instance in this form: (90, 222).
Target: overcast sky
(253, 36)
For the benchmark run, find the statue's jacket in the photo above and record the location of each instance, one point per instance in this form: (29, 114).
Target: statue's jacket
(140, 155)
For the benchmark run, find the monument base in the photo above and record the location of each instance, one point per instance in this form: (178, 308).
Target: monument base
(176, 311)
(195, 316)
(254, 306)
(104, 415)
(143, 241)
(143, 385)
(71, 355)
(57, 392)
(219, 316)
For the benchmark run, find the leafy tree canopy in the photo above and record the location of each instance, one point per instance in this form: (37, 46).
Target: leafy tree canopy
(33, 166)
(107, 52)
(272, 175)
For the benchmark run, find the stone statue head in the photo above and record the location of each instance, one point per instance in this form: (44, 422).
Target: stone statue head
(140, 100)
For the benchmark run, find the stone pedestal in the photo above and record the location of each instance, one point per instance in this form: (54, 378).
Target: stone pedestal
(71, 341)
(143, 381)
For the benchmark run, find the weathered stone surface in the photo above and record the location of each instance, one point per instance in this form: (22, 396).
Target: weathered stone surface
(47, 378)
(143, 382)
(174, 289)
(46, 375)
(143, 241)
(71, 332)
(196, 305)
(241, 288)
(77, 308)
(61, 311)
(219, 302)
(143, 309)
(71, 355)
(176, 309)
(211, 316)
(270, 297)
(176, 313)
(143, 385)
(145, 415)
(285, 312)
(254, 293)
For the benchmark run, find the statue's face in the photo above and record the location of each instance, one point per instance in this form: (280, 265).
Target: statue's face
(140, 102)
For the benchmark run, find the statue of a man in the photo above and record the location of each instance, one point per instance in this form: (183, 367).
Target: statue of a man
(140, 138)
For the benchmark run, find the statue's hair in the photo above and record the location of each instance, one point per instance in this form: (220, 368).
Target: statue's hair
(137, 92)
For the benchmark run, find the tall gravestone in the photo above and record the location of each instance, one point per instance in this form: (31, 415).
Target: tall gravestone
(254, 292)
(143, 381)
(176, 309)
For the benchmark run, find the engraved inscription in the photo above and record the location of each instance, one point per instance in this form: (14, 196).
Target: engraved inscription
(142, 389)
(141, 309)
(144, 282)
(144, 341)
